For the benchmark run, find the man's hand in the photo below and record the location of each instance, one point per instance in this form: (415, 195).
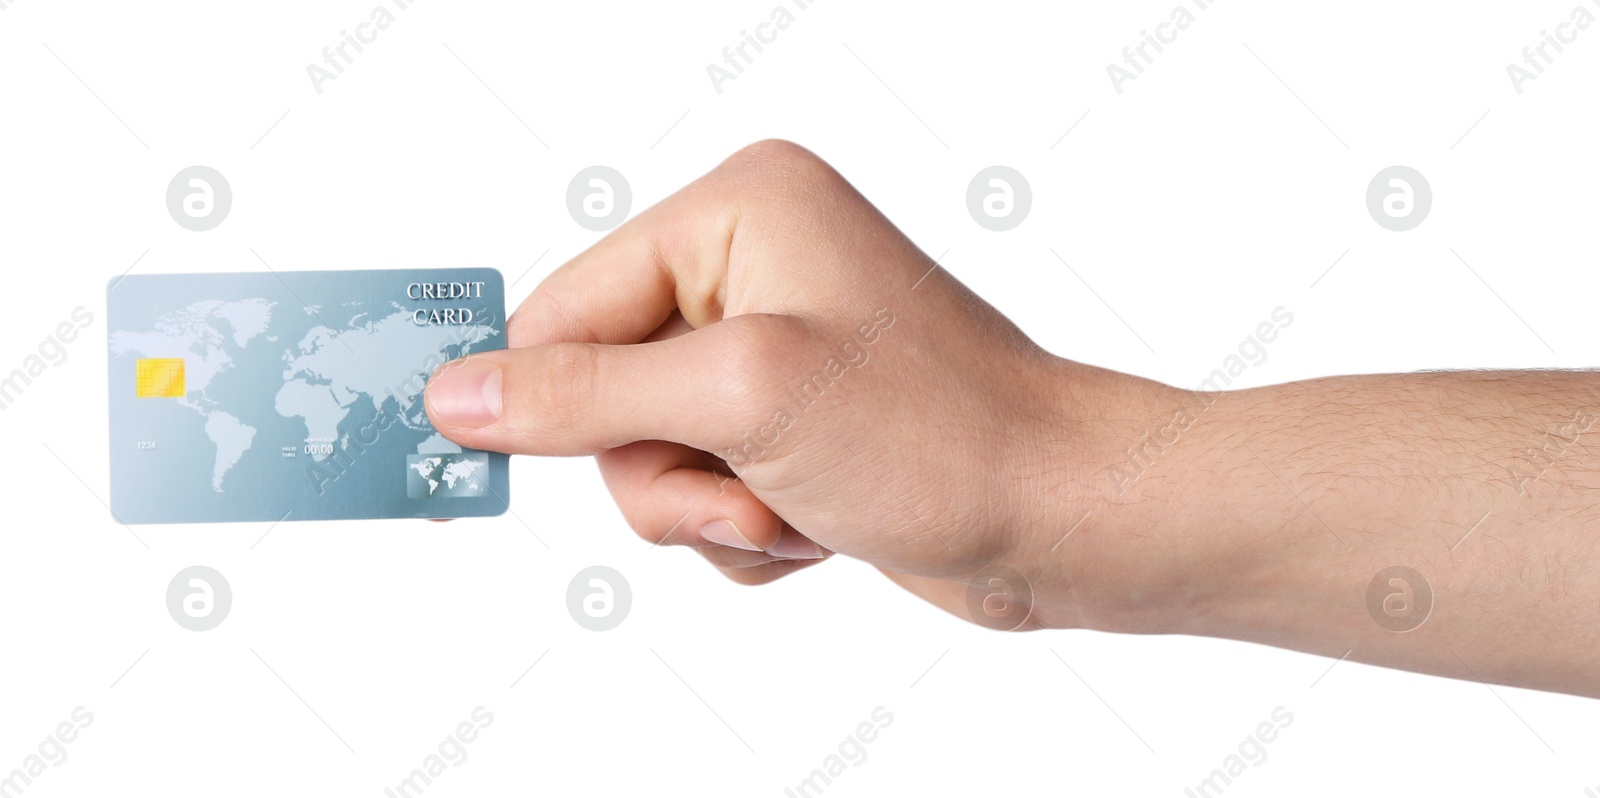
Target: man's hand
(769, 371)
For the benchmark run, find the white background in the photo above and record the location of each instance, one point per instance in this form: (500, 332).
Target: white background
(1190, 205)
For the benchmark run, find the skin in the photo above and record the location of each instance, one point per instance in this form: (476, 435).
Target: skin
(995, 480)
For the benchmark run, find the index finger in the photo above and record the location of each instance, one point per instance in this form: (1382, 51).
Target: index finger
(673, 256)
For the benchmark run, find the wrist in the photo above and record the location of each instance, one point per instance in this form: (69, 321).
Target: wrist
(1118, 540)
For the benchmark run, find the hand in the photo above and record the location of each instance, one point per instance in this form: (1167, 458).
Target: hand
(768, 371)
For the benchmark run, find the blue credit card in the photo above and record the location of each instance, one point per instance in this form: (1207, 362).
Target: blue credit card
(295, 395)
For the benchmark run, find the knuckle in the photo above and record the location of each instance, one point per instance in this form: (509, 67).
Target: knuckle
(540, 319)
(649, 531)
(564, 385)
(781, 167)
(775, 151)
(747, 577)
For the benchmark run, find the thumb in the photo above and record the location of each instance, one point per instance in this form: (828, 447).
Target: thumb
(574, 399)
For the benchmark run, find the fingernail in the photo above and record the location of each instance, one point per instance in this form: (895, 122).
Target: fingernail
(724, 533)
(465, 393)
(794, 546)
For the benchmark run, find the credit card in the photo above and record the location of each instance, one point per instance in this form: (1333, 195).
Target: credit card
(295, 396)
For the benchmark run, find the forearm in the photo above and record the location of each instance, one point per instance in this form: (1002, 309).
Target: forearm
(1268, 514)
